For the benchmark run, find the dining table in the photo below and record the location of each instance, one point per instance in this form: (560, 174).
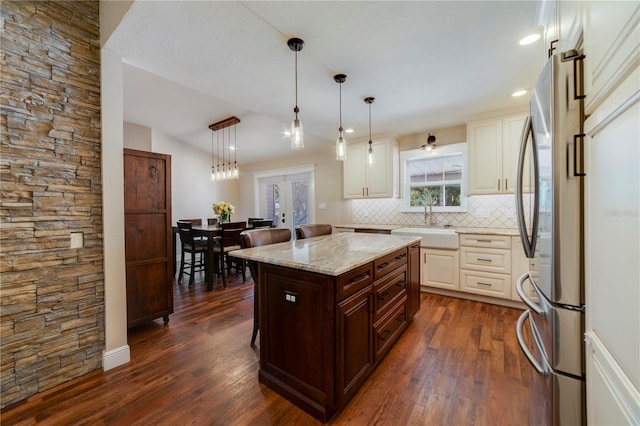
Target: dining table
(211, 233)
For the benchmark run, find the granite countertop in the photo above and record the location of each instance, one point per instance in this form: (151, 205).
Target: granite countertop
(489, 231)
(332, 254)
(459, 230)
(369, 226)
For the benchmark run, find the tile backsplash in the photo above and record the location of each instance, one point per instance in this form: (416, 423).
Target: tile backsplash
(483, 211)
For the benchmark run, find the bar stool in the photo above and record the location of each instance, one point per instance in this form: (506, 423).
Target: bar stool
(256, 238)
(192, 246)
(313, 230)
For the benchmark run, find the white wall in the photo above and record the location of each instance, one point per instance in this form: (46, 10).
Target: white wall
(116, 348)
(137, 137)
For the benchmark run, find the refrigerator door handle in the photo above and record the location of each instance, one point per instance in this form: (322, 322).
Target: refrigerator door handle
(529, 244)
(523, 345)
(525, 297)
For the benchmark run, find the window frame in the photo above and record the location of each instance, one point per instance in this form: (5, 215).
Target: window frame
(439, 152)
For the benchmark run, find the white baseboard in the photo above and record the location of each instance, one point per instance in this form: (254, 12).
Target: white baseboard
(612, 398)
(116, 357)
(475, 297)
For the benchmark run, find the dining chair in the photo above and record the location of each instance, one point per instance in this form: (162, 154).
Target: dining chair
(256, 238)
(192, 221)
(313, 230)
(212, 221)
(252, 219)
(197, 222)
(229, 240)
(192, 246)
(262, 223)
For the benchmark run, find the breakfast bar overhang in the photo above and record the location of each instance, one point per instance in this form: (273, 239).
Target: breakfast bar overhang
(330, 308)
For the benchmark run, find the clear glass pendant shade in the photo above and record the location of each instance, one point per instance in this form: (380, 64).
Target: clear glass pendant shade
(297, 135)
(341, 147)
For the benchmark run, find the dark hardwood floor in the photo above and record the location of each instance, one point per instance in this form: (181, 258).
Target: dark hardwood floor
(458, 363)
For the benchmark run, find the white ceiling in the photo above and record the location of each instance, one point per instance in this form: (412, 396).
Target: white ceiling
(429, 64)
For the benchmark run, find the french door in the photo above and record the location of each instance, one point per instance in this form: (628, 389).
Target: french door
(287, 197)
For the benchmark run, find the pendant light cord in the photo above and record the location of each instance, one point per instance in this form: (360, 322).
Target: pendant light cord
(369, 124)
(296, 79)
(341, 107)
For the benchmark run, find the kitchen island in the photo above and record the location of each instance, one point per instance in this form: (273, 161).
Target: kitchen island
(330, 309)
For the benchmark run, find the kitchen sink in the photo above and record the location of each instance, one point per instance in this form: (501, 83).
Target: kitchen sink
(445, 238)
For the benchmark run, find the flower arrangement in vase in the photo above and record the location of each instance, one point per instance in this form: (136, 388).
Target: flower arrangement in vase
(224, 209)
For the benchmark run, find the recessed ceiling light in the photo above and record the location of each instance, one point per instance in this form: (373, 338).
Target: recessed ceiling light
(528, 39)
(519, 93)
(349, 130)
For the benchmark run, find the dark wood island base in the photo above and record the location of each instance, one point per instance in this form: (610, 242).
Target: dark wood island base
(321, 335)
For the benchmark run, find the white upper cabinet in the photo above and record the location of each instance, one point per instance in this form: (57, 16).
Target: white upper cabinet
(379, 180)
(494, 146)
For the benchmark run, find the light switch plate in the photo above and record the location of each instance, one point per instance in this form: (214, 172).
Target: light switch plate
(322, 206)
(77, 240)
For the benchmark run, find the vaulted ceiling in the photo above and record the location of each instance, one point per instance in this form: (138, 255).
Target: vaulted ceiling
(429, 64)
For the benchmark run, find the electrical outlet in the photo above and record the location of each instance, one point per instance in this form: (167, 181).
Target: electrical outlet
(291, 297)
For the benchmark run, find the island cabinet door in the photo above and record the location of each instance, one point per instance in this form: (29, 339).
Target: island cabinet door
(354, 343)
(297, 336)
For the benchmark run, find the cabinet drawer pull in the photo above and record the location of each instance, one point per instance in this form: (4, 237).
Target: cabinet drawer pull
(484, 241)
(402, 256)
(359, 278)
(479, 259)
(485, 284)
(383, 265)
(401, 318)
(384, 296)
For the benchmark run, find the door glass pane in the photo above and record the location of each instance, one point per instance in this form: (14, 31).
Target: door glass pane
(300, 202)
(271, 200)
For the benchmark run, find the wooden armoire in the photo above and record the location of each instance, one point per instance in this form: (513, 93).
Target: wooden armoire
(148, 236)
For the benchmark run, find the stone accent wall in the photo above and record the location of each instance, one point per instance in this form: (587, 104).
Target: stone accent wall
(52, 296)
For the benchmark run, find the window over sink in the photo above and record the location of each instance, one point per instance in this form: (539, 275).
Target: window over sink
(434, 178)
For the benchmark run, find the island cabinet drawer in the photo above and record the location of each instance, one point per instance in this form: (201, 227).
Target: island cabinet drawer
(389, 263)
(351, 282)
(484, 259)
(388, 328)
(496, 285)
(488, 241)
(388, 290)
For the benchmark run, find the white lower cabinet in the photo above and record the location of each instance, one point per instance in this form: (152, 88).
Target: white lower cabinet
(440, 268)
(485, 265)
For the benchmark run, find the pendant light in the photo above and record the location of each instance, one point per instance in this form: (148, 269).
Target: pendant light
(223, 169)
(213, 169)
(369, 101)
(341, 143)
(297, 135)
(236, 173)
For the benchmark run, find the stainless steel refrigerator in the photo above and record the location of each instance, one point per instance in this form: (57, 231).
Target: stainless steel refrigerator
(549, 205)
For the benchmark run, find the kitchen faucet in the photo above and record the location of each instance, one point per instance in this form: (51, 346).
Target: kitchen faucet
(433, 221)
